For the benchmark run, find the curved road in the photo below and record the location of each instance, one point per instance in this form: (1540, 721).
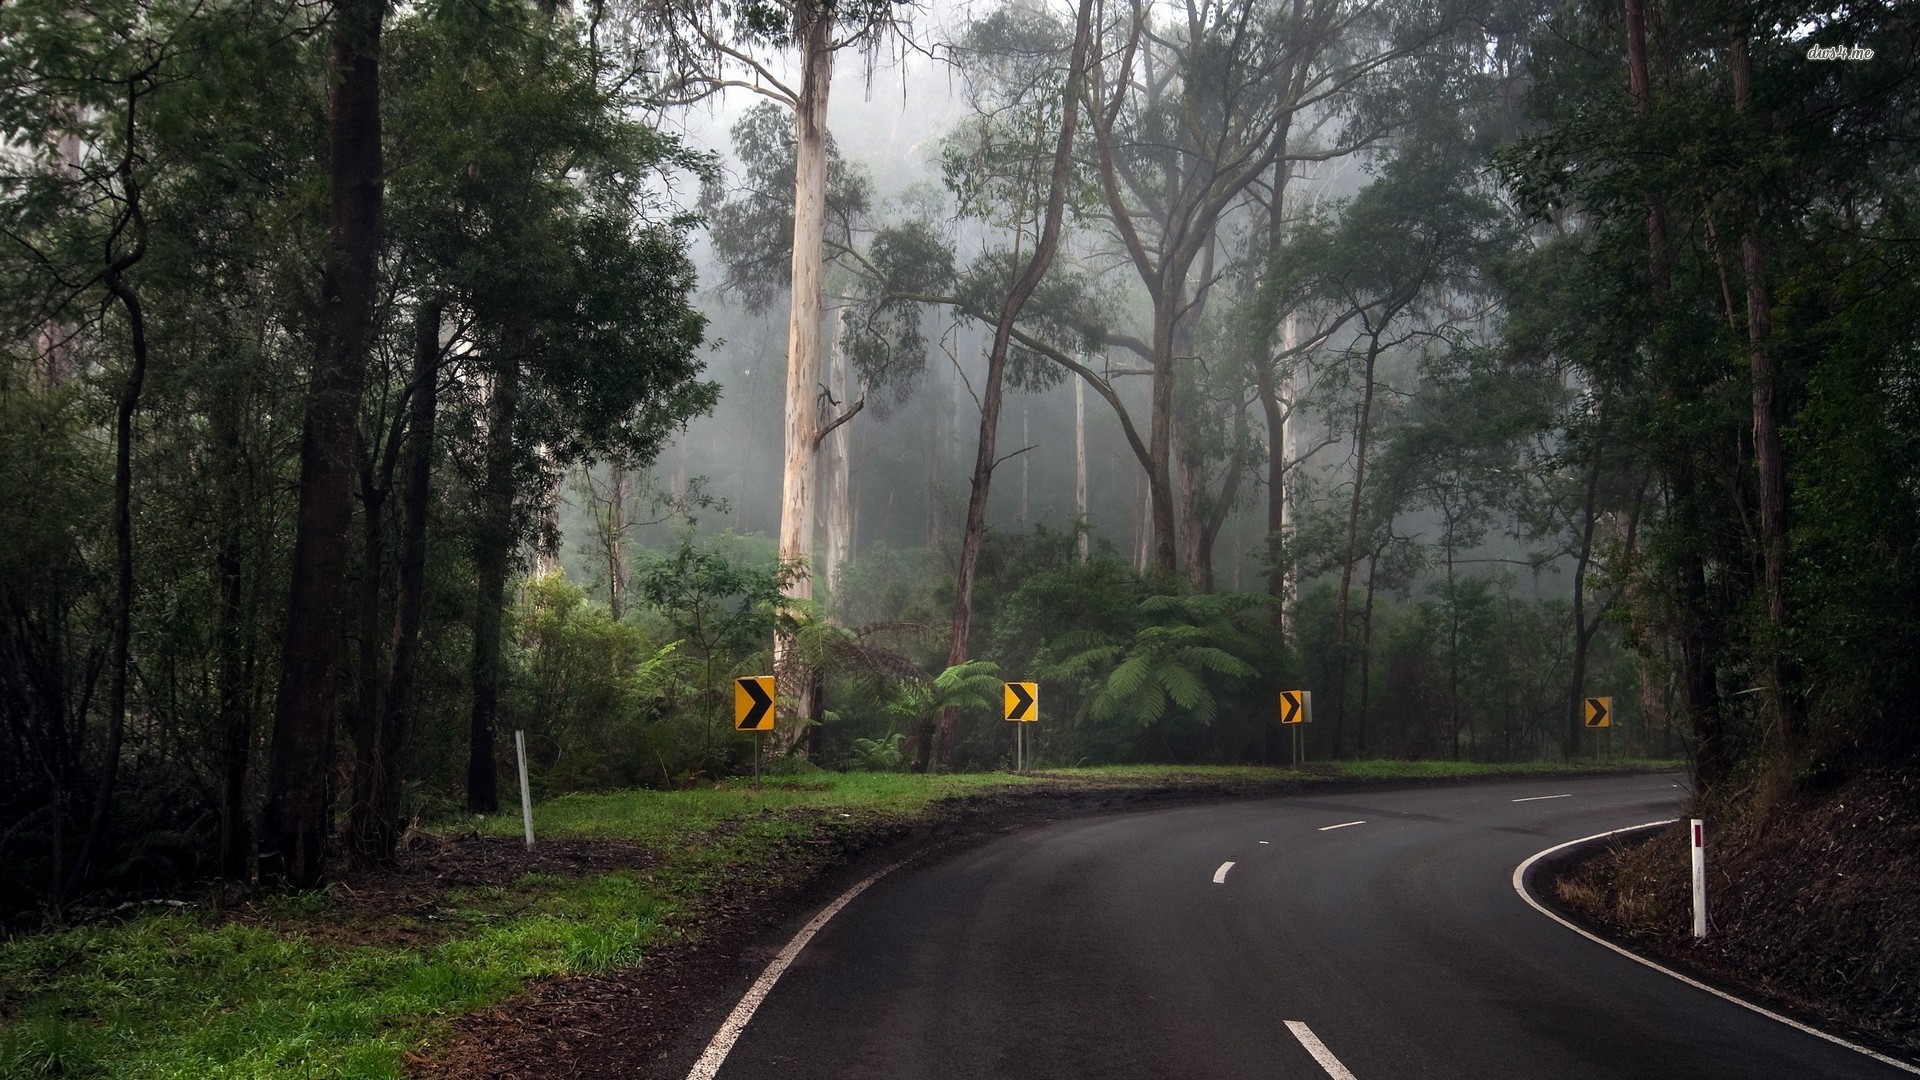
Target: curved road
(1383, 925)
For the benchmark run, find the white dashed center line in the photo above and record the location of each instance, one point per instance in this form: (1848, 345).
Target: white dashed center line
(1342, 825)
(1319, 1051)
(1220, 875)
(1537, 798)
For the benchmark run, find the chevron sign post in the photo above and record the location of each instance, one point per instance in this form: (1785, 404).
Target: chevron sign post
(1023, 707)
(1597, 713)
(753, 711)
(1296, 708)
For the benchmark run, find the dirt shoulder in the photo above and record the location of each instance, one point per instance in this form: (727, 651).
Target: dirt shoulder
(635, 1022)
(1814, 906)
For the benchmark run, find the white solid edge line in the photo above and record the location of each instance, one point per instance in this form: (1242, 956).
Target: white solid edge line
(1319, 1051)
(1537, 798)
(1342, 825)
(1519, 886)
(1220, 875)
(736, 1022)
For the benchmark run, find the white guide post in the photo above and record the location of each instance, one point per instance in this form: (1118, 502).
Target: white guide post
(1699, 878)
(526, 797)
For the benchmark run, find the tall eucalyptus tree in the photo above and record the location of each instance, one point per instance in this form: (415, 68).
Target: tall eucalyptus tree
(1189, 112)
(708, 48)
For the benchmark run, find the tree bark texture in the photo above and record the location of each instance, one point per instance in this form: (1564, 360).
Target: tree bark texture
(492, 559)
(376, 822)
(797, 476)
(839, 462)
(798, 480)
(299, 812)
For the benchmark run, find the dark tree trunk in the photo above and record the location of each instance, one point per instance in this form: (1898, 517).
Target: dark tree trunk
(983, 462)
(1767, 452)
(363, 721)
(376, 486)
(1276, 497)
(492, 554)
(1216, 517)
(1582, 636)
(1160, 439)
(1342, 598)
(1277, 463)
(1366, 654)
(1698, 642)
(298, 814)
(115, 280)
(1453, 645)
(235, 623)
(377, 822)
(1196, 537)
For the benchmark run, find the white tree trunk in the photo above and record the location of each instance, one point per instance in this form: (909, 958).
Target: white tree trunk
(678, 483)
(838, 450)
(797, 478)
(614, 539)
(1142, 524)
(1080, 462)
(1024, 442)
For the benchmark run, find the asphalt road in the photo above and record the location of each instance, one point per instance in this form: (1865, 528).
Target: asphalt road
(1119, 947)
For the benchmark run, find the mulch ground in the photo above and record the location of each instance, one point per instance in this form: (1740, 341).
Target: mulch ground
(1814, 906)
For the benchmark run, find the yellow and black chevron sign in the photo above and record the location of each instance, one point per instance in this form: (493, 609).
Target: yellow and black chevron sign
(1296, 706)
(1599, 712)
(753, 703)
(1023, 701)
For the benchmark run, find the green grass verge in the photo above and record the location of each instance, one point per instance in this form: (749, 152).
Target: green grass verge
(190, 993)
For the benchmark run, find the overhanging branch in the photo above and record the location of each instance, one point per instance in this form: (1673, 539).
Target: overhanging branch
(841, 419)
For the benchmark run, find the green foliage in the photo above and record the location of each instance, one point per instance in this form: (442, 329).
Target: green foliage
(711, 596)
(588, 690)
(974, 684)
(1189, 646)
(522, 187)
(1798, 178)
(751, 223)
(880, 755)
(721, 606)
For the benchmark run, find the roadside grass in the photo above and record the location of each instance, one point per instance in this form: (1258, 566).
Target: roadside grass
(194, 993)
